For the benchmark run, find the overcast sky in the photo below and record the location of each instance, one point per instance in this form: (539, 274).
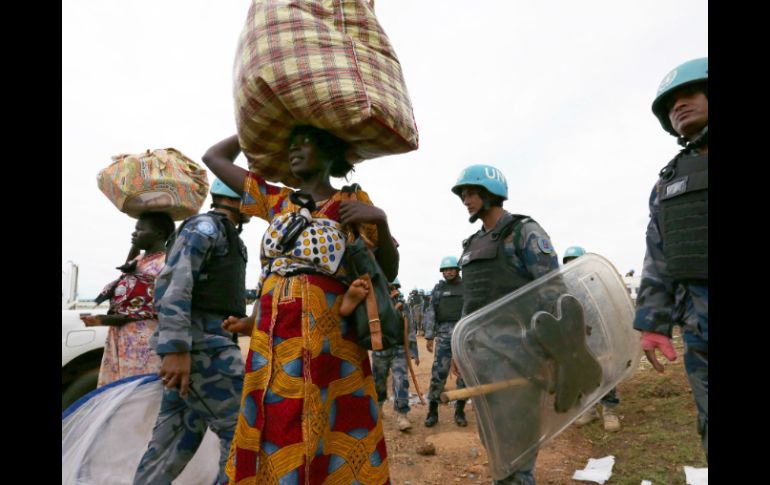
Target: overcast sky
(556, 94)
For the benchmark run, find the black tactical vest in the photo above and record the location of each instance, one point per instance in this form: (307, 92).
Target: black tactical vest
(684, 217)
(415, 301)
(221, 283)
(450, 303)
(486, 272)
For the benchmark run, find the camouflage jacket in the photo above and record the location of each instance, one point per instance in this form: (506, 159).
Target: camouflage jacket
(430, 324)
(536, 256)
(660, 304)
(410, 324)
(181, 329)
(527, 251)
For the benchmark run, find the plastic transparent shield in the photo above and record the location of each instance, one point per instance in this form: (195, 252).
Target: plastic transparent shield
(106, 432)
(547, 352)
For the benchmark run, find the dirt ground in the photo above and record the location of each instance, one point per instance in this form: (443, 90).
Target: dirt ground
(460, 457)
(657, 437)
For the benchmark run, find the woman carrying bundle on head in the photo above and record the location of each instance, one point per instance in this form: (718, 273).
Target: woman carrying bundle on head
(131, 316)
(309, 408)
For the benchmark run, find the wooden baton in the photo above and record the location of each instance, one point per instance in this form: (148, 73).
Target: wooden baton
(482, 389)
(409, 359)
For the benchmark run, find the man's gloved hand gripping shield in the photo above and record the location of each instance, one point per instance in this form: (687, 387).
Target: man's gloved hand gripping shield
(536, 359)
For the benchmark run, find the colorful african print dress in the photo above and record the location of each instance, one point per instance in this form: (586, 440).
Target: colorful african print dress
(127, 351)
(309, 409)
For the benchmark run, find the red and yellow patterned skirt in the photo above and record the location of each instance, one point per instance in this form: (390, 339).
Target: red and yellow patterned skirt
(309, 409)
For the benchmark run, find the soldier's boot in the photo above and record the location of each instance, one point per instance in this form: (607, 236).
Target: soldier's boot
(611, 420)
(460, 414)
(432, 418)
(587, 417)
(403, 422)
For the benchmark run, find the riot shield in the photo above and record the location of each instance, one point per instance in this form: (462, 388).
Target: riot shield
(534, 360)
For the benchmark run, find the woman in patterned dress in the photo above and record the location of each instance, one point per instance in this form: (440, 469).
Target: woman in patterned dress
(132, 317)
(309, 409)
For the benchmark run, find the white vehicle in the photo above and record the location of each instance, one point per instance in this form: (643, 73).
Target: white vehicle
(81, 354)
(82, 349)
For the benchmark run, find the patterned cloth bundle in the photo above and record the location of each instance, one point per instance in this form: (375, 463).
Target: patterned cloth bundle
(323, 63)
(163, 180)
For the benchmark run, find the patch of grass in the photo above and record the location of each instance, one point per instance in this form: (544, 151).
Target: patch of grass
(662, 387)
(658, 436)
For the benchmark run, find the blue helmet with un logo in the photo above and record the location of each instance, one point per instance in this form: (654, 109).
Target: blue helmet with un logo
(485, 176)
(573, 252)
(448, 262)
(691, 72)
(219, 188)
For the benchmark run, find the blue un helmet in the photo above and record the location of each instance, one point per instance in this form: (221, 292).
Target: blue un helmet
(485, 176)
(691, 72)
(219, 188)
(571, 253)
(449, 262)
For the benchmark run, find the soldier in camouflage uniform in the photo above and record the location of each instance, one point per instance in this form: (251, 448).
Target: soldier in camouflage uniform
(202, 284)
(509, 251)
(394, 359)
(414, 304)
(446, 303)
(608, 403)
(425, 306)
(674, 288)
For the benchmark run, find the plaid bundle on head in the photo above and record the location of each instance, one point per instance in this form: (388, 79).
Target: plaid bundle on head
(323, 63)
(162, 180)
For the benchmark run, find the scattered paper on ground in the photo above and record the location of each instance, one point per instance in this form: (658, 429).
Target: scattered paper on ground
(696, 476)
(597, 470)
(646, 482)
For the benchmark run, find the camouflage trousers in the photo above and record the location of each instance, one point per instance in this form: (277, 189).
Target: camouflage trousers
(696, 356)
(610, 399)
(418, 323)
(442, 352)
(384, 361)
(216, 382)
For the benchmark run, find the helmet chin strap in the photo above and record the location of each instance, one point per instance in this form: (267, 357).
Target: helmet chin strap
(233, 210)
(700, 139)
(485, 207)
